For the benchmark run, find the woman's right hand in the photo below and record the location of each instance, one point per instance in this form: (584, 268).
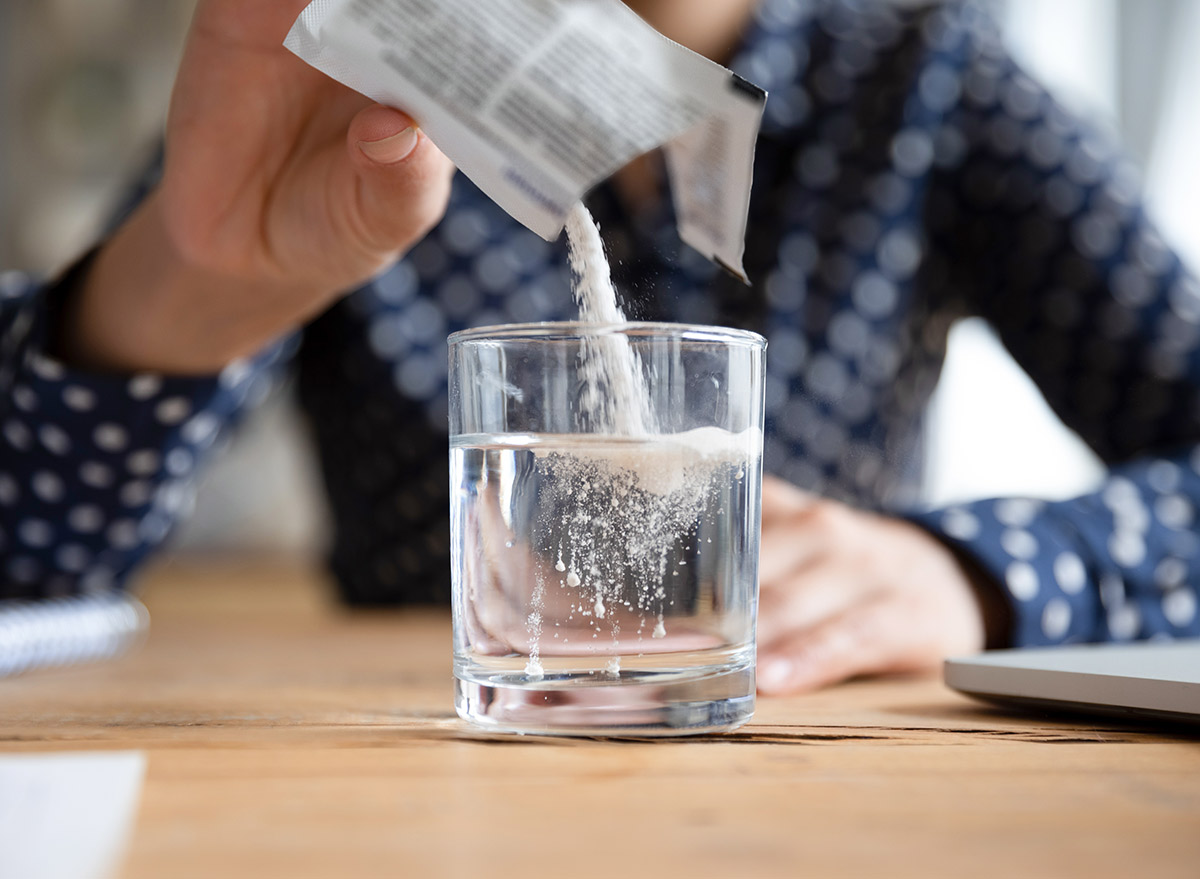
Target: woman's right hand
(281, 190)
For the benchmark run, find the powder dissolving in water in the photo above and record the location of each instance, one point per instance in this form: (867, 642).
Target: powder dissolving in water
(621, 504)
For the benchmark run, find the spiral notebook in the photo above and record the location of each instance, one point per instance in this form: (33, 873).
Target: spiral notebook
(67, 631)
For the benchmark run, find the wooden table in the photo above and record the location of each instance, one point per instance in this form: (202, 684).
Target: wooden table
(285, 737)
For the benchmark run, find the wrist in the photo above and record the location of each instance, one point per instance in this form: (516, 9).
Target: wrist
(139, 304)
(994, 608)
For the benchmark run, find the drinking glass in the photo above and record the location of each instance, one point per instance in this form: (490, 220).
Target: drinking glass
(605, 514)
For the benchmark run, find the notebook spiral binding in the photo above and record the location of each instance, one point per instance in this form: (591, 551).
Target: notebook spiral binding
(68, 631)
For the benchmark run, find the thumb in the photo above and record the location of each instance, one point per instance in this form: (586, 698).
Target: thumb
(402, 179)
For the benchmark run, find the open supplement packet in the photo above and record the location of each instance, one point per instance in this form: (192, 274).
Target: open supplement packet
(537, 101)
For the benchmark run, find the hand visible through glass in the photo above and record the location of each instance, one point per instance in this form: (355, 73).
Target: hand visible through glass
(507, 582)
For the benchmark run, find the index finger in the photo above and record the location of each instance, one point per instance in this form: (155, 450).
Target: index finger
(872, 637)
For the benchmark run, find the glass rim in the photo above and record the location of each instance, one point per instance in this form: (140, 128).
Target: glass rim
(559, 328)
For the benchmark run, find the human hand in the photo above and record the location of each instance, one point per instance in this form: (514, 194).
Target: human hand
(845, 593)
(281, 189)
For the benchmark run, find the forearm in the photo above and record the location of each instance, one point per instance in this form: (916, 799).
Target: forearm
(142, 306)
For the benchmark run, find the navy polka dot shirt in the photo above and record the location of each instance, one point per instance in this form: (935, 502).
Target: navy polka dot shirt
(908, 174)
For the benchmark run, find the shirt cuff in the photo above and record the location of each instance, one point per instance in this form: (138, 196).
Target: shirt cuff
(1037, 565)
(96, 468)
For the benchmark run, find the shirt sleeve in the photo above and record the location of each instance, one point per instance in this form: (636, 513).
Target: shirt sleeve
(96, 469)
(1039, 228)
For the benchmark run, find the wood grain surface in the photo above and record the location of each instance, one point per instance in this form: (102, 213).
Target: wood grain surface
(288, 737)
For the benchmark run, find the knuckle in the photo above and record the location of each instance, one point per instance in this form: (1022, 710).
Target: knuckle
(827, 519)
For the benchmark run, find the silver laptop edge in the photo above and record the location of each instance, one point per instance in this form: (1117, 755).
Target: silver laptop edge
(1159, 680)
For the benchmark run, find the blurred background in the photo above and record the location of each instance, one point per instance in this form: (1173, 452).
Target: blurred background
(86, 83)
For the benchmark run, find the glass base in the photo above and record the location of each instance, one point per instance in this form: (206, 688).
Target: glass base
(638, 703)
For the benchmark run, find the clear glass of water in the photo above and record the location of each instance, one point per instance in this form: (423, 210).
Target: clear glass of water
(605, 512)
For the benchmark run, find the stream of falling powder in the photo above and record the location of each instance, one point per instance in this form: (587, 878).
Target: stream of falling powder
(627, 503)
(614, 397)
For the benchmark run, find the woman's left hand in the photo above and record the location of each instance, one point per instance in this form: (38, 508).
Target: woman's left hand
(846, 593)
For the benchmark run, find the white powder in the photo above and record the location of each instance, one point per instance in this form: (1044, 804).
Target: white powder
(664, 462)
(614, 396)
(594, 291)
(623, 497)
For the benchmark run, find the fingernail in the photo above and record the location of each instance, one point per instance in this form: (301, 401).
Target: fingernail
(775, 674)
(391, 149)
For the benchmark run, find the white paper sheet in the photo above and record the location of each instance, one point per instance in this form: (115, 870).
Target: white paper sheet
(67, 816)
